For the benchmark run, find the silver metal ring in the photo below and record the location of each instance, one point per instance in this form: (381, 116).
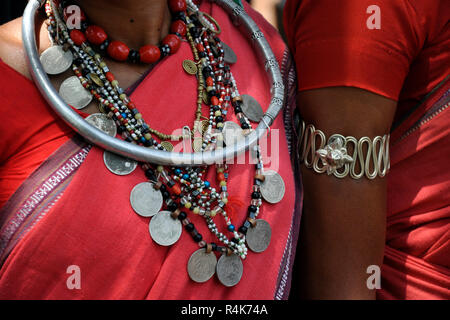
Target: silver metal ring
(140, 153)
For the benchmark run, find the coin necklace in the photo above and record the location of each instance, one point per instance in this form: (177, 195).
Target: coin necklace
(182, 189)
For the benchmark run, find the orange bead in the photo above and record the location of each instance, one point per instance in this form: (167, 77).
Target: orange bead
(214, 101)
(110, 76)
(209, 82)
(176, 189)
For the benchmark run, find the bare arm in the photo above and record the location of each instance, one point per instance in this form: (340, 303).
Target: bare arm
(343, 226)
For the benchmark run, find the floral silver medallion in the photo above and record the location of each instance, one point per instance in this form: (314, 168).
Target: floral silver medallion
(334, 155)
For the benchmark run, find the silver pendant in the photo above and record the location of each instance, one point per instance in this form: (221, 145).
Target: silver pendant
(74, 94)
(118, 164)
(273, 188)
(258, 237)
(145, 200)
(55, 60)
(229, 270)
(232, 133)
(103, 122)
(201, 265)
(165, 230)
(251, 108)
(229, 55)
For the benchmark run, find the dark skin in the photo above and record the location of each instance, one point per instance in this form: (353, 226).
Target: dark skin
(344, 220)
(343, 227)
(135, 22)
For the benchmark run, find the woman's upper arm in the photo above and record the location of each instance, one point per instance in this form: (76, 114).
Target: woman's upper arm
(349, 79)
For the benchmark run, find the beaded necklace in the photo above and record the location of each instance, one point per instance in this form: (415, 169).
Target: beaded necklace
(181, 190)
(119, 51)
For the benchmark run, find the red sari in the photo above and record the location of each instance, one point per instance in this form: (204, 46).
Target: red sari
(404, 60)
(71, 211)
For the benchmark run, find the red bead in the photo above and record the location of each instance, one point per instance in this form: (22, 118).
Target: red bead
(149, 54)
(200, 47)
(96, 35)
(173, 42)
(77, 37)
(118, 50)
(220, 176)
(177, 5)
(131, 105)
(214, 101)
(176, 189)
(109, 76)
(179, 27)
(210, 83)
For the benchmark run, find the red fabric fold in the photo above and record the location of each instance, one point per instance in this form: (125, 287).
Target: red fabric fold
(94, 227)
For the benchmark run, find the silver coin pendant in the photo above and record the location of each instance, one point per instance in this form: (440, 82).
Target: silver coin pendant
(55, 60)
(251, 108)
(229, 55)
(102, 122)
(273, 188)
(258, 237)
(165, 230)
(145, 200)
(201, 265)
(232, 133)
(118, 164)
(229, 270)
(74, 94)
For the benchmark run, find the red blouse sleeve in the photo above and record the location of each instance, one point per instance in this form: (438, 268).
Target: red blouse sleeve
(333, 45)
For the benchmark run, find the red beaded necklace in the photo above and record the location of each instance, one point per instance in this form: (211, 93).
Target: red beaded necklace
(147, 54)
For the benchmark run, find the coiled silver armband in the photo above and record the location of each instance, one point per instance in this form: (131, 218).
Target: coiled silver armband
(332, 155)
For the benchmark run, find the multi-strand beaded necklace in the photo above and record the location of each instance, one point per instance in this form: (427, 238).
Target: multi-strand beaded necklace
(183, 189)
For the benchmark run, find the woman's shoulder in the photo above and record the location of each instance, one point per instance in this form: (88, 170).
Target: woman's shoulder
(12, 52)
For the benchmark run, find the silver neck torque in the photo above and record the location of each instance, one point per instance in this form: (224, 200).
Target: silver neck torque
(140, 153)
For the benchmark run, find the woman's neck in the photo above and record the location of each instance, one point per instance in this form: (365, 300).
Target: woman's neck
(135, 22)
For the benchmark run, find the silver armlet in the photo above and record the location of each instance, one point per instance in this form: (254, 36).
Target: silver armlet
(331, 156)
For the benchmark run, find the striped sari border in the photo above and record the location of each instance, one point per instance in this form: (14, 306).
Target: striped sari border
(39, 193)
(286, 266)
